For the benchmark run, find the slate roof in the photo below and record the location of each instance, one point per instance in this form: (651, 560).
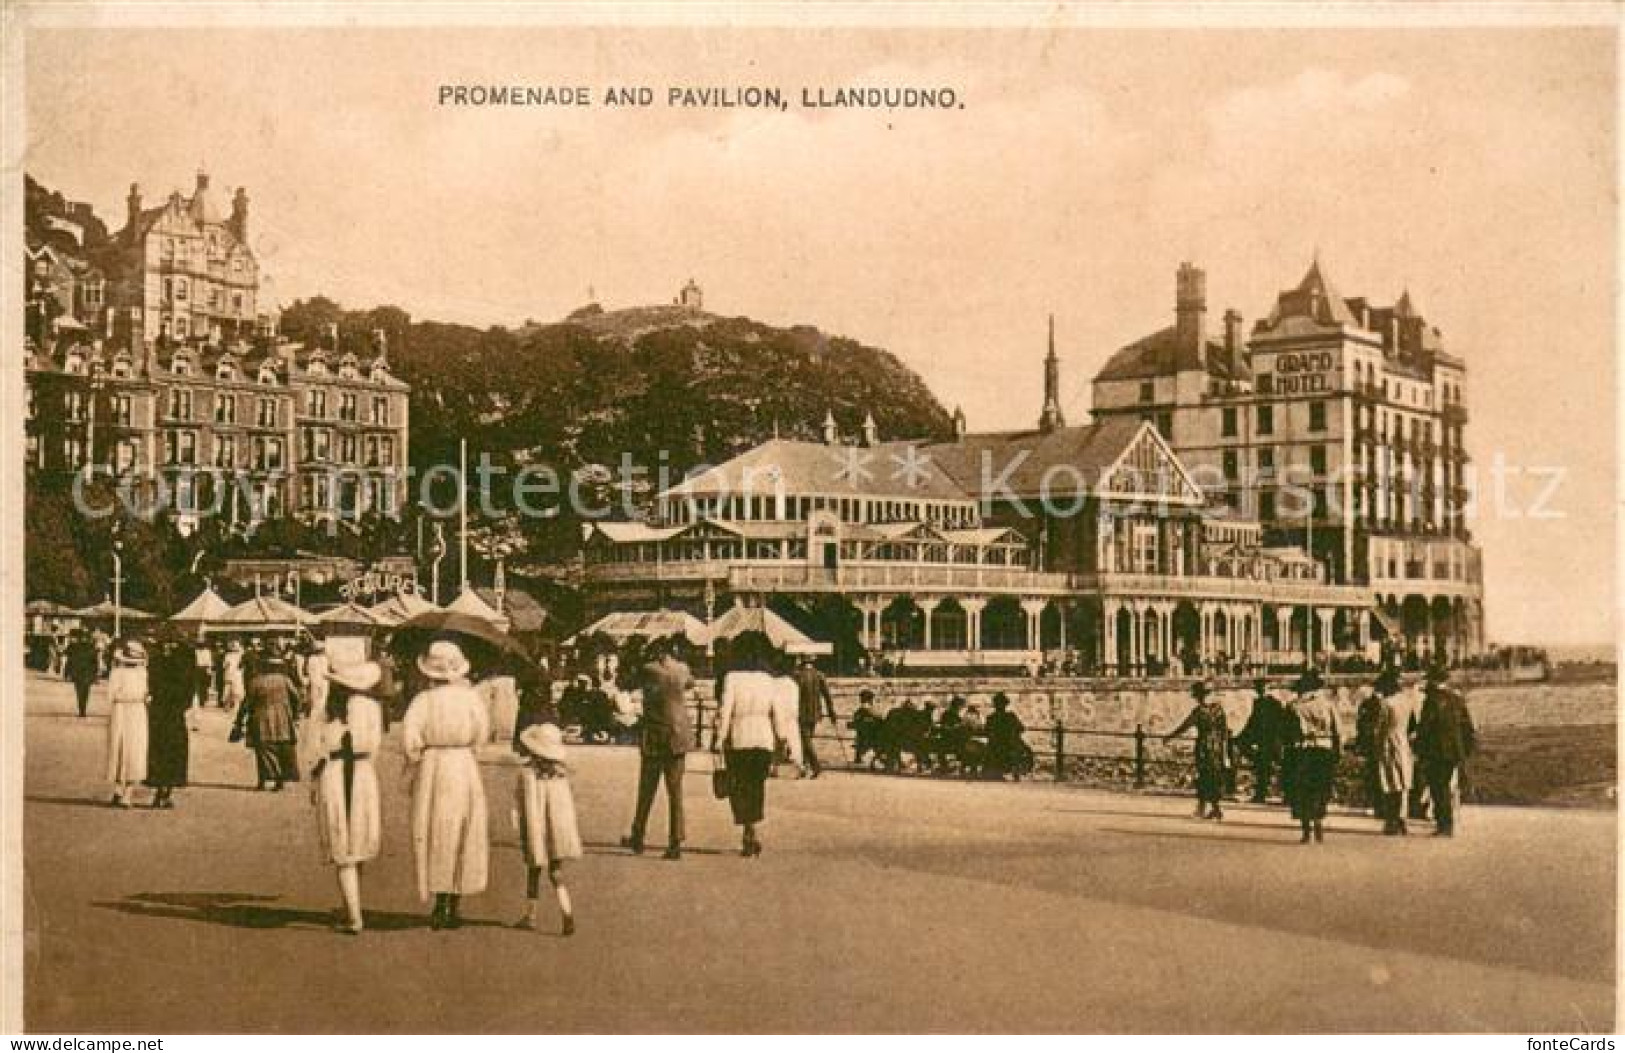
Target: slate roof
(1088, 448)
(816, 468)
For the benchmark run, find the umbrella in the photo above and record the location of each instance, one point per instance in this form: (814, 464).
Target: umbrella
(105, 609)
(208, 607)
(780, 633)
(487, 645)
(265, 612)
(649, 625)
(47, 608)
(470, 602)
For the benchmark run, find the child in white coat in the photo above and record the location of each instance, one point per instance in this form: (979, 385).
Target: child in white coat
(548, 833)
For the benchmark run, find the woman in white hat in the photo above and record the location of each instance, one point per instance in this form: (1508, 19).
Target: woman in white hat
(348, 731)
(548, 834)
(127, 723)
(441, 729)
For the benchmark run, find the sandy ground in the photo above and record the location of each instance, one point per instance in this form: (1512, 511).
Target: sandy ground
(881, 904)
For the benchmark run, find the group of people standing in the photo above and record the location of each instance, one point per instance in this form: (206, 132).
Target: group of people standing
(1413, 754)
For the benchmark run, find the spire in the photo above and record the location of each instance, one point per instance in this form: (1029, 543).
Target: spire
(871, 430)
(1051, 418)
(1405, 308)
(831, 436)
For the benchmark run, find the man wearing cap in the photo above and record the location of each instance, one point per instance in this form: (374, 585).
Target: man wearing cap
(664, 745)
(814, 703)
(1445, 738)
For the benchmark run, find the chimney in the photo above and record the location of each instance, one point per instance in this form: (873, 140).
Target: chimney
(871, 431)
(1190, 317)
(239, 214)
(202, 181)
(831, 436)
(133, 205)
(1232, 333)
(959, 423)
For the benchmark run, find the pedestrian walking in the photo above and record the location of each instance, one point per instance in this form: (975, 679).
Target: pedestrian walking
(1264, 738)
(1445, 739)
(265, 723)
(548, 833)
(82, 667)
(171, 682)
(813, 703)
(1320, 737)
(663, 746)
(1212, 754)
(233, 678)
(349, 729)
(1007, 749)
(443, 726)
(127, 721)
(1368, 745)
(1396, 719)
(202, 671)
(753, 723)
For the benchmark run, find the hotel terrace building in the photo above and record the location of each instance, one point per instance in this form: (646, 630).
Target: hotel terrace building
(1360, 407)
(983, 552)
(168, 369)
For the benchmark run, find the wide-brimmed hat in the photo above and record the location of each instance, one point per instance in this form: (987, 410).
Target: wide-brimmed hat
(130, 652)
(1387, 682)
(444, 661)
(362, 677)
(543, 740)
(1202, 688)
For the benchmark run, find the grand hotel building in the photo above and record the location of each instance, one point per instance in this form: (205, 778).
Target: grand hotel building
(989, 549)
(159, 361)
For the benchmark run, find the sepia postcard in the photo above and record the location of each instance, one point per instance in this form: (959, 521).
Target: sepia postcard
(809, 519)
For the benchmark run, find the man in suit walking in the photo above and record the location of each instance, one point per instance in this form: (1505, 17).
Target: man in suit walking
(82, 667)
(664, 745)
(1444, 740)
(812, 692)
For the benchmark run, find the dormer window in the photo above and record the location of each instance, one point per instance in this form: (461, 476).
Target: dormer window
(267, 374)
(181, 366)
(225, 371)
(121, 368)
(317, 367)
(74, 363)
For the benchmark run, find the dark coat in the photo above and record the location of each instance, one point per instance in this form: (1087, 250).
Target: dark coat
(812, 692)
(267, 715)
(1266, 728)
(82, 665)
(169, 680)
(1444, 732)
(666, 730)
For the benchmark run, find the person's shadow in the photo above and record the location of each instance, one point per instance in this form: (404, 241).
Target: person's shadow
(247, 910)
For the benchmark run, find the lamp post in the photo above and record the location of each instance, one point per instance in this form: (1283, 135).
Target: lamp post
(118, 582)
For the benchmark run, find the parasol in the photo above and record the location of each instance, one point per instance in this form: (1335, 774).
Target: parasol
(486, 644)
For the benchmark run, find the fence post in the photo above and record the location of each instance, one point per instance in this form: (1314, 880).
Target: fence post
(1060, 752)
(1139, 756)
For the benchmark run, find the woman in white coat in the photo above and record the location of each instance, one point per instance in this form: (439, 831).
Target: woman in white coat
(752, 723)
(441, 730)
(127, 722)
(349, 728)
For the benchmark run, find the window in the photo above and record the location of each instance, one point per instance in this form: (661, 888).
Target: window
(180, 404)
(1230, 467)
(180, 289)
(1317, 459)
(267, 374)
(372, 451)
(1165, 424)
(386, 451)
(267, 413)
(1148, 391)
(123, 409)
(93, 295)
(73, 405)
(236, 303)
(1266, 460)
(316, 403)
(1266, 505)
(316, 368)
(1228, 427)
(225, 371)
(347, 406)
(181, 366)
(1317, 415)
(225, 408)
(181, 330)
(380, 411)
(169, 289)
(1266, 420)
(123, 456)
(1145, 548)
(347, 449)
(225, 452)
(74, 363)
(1266, 383)
(180, 447)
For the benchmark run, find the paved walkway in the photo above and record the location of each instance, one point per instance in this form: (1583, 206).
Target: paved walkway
(881, 904)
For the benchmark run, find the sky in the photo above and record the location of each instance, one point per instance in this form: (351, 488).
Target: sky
(1475, 167)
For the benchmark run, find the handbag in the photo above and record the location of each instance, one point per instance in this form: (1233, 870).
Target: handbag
(721, 783)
